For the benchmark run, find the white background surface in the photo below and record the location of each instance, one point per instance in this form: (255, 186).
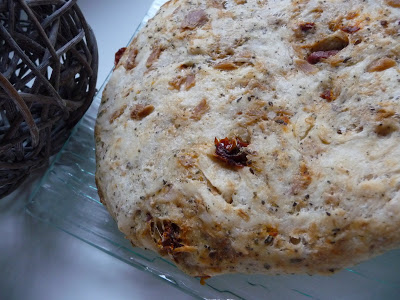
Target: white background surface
(38, 261)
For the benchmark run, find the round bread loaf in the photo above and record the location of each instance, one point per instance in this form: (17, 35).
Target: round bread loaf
(256, 136)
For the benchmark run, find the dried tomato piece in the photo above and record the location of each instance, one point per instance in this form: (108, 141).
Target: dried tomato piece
(316, 57)
(307, 26)
(118, 55)
(170, 239)
(350, 29)
(272, 231)
(196, 18)
(232, 151)
(328, 95)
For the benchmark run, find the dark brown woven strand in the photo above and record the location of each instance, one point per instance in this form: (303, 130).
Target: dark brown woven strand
(48, 73)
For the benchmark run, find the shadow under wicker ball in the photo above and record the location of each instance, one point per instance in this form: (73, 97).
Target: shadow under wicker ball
(48, 73)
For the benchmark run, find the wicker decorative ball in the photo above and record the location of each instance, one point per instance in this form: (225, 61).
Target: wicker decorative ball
(48, 73)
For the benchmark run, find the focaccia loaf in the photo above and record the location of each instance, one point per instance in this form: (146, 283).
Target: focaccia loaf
(256, 136)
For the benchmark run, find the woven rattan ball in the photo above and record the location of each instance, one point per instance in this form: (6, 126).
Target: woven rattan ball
(48, 73)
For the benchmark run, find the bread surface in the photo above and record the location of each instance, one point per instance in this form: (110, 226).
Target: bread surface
(257, 136)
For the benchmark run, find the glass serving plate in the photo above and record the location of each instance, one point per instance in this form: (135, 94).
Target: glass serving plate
(67, 198)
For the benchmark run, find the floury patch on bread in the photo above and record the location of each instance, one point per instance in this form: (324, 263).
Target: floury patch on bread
(256, 136)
